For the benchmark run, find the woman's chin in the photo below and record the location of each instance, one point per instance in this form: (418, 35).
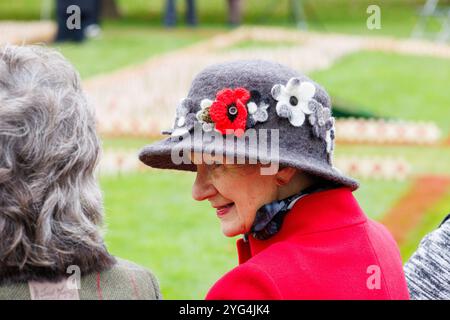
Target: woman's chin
(231, 230)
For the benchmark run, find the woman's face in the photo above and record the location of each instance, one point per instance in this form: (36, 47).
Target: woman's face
(236, 192)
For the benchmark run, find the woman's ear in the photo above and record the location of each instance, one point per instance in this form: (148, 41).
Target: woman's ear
(285, 175)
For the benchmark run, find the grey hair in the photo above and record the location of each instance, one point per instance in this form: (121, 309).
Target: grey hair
(50, 202)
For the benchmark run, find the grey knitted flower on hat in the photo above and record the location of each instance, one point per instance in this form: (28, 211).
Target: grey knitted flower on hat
(257, 109)
(258, 112)
(322, 123)
(203, 115)
(293, 100)
(185, 118)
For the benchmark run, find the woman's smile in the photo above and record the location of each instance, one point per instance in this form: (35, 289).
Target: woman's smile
(223, 210)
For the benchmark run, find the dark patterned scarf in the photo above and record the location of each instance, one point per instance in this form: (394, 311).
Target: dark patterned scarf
(269, 218)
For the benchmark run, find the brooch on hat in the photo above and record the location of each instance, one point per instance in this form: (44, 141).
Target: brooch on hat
(232, 111)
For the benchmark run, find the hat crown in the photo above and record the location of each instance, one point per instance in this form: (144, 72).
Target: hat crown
(259, 75)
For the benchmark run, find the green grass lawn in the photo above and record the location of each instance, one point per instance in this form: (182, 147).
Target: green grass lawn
(125, 44)
(430, 221)
(392, 85)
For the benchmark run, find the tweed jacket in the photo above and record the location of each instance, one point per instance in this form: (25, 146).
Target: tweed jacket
(123, 281)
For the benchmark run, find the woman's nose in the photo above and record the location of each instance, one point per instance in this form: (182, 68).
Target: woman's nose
(202, 188)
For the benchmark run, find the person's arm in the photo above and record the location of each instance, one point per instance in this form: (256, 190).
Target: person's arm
(246, 282)
(428, 270)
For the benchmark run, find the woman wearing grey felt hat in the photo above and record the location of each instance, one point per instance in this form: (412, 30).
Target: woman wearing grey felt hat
(261, 137)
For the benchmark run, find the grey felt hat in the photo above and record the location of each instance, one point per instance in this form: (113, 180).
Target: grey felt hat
(248, 98)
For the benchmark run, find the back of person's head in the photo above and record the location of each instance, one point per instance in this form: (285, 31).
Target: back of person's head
(50, 202)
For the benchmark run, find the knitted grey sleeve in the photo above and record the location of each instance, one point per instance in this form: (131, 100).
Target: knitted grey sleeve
(428, 270)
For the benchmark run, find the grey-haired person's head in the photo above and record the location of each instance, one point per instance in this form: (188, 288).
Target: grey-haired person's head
(50, 201)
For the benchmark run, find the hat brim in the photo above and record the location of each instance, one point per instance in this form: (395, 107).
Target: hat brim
(160, 155)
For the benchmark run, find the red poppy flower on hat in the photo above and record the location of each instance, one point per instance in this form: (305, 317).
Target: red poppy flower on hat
(228, 111)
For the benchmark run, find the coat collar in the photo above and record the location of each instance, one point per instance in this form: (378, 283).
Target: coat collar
(313, 213)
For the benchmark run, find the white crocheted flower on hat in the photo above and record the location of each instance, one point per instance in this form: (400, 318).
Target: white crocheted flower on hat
(293, 100)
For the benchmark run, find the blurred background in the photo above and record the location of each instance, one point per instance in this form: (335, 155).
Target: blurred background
(387, 68)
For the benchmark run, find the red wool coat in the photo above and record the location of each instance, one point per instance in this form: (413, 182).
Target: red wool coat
(326, 249)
